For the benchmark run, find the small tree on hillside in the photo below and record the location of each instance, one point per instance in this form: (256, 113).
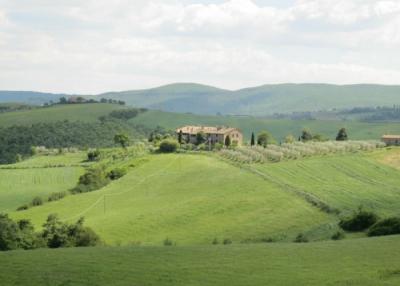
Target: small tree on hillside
(264, 138)
(253, 141)
(289, 139)
(227, 141)
(121, 139)
(342, 135)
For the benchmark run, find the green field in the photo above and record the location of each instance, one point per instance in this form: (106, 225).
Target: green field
(278, 127)
(192, 199)
(367, 262)
(71, 112)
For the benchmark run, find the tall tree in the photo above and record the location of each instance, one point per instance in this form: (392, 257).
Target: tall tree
(253, 141)
(200, 138)
(227, 141)
(342, 135)
(180, 137)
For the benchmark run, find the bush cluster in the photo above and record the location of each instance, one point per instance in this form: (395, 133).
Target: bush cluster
(168, 146)
(22, 235)
(387, 226)
(359, 221)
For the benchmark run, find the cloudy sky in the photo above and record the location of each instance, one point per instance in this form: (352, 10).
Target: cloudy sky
(93, 46)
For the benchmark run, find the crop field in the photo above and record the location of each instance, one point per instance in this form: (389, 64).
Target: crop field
(279, 128)
(47, 161)
(190, 199)
(20, 186)
(343, 182)
(71, 112)
(367, 262)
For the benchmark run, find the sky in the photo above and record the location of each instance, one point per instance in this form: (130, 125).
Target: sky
(94, 46)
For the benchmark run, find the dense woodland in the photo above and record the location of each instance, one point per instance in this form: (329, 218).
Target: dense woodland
(16, 142)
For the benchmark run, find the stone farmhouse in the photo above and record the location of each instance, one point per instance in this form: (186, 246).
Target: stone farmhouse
(213, 134)
(391, 140)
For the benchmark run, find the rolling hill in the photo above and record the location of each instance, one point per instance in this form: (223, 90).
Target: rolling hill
(262, 100)
(193, 199)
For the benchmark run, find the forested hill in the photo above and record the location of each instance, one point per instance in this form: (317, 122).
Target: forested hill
(262, 100)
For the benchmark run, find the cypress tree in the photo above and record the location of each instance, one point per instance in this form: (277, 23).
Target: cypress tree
(228, 141)
(253, 141)
(180, 137)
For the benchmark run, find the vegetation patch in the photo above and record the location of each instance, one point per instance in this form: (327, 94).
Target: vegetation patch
(387, 226)
(359, 221)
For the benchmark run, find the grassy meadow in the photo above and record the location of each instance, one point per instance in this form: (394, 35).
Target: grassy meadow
(367, 262)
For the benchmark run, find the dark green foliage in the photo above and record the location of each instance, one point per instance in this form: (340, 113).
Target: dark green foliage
(37, 201)
(17, 235)
(387, 226)
(215, 241)
(342, 135)
(23, 207)
(168, 242)
(359, 221)
(338, 235)
(93, 155)
(58, 234)
(93, 179)
(252, 141)
(301, 238)
(16, 140)
(56, 196)
(127, 114)
(200, 138)
(227, 141)
(264, 138)
(168, 146)
(306, 135)
(116, 173)
(180, 139)
(121, 139)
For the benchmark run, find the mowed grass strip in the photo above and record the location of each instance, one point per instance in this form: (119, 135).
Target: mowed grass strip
(368, 261)
(45, 161)
(190, 199)
(344, 182)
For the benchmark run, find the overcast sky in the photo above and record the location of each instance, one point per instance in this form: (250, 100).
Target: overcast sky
(93, 46)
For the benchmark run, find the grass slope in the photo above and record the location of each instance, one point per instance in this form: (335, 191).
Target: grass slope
(372, 261)
(71, 112)
(190, 199)
(279, 128)
(343, 182)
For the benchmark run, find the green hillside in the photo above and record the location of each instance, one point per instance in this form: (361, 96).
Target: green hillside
(72, 112)
(193, 199)
(262, 100)
(278, 127)
(367, 262)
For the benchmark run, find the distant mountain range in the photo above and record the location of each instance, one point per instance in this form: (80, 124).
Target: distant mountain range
(262, 100)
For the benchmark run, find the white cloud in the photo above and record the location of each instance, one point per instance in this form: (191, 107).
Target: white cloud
(99, 45)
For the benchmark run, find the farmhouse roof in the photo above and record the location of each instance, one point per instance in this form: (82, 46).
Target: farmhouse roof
(391, 137)
(189, 129)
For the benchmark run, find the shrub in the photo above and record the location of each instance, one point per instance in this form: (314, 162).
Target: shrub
(227, 241)
(168, 242)
(215, 241)
(168, 146)
(93, 155)
(23, 207)
(56, 196)
(301, 238)
(116, 173)
(338, 235)
(360, 221)
(37, 201)
(93, 179)
(385, 227)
